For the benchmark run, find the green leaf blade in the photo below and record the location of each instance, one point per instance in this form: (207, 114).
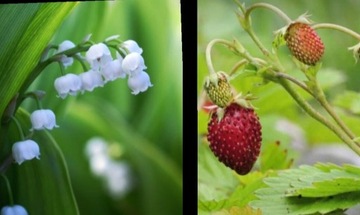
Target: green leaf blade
(22, 49)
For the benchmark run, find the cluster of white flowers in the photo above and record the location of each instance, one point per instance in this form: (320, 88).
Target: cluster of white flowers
(116, 174)
(103, 68)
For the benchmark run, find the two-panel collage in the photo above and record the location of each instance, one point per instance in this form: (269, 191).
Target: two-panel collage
(278, 103)
(91, 108)
(94, 116)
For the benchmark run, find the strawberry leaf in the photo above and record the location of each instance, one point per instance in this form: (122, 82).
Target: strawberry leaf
(321, 188)
(237, 211)
(274, 156)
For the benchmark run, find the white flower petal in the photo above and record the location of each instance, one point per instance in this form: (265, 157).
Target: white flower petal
(113, 70)
(118, 178)
(132, 46)
(98, 56)
(139, 83)
(41, 119)
(13, 210)
(67, 84)
(66, 45)
(25, 150)
(96, 146)
(90, 80)
(133, 63)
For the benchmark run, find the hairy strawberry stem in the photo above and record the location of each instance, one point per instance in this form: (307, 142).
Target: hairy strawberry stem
(316, 115)
(270, 7)
(237, 66)
(320, 97)
(208, 55)
(337, 27)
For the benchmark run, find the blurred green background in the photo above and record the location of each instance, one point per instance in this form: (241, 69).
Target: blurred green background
(146, 128)
(340, 73)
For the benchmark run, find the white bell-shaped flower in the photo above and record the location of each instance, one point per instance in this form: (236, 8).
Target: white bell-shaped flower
(65, 60)
(113, 70)
(118, 178)
(98, 56)
(68, 84)
(133, 64)
(90, 80)
(13, 210)
(132, 46)
(41, 119)
(139, 83)
(25, 150)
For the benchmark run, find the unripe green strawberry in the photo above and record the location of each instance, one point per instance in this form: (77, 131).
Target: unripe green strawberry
(236, 138)
(304, 43)
(218, 89)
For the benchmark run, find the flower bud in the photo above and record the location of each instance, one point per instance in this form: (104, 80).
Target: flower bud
(67, 44)
(132, 46)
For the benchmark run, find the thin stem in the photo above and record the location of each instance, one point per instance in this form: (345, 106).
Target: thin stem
(258, 42)
(21, 132)
(7, 162)
(295, 81)
(237, 66)
(11, 198)
(208, 54)
(320, 96)
(313, 113)
(270, 7)
(337, 27)
(78, 58)
(62, 68)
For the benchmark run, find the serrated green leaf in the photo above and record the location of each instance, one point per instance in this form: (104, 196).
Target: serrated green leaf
(322, 188)
(215, 180)
(274, 156)
(42, 186)
(238, 211)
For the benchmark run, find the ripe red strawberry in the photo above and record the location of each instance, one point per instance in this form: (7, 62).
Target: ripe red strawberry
(304, 43)
(236, 138)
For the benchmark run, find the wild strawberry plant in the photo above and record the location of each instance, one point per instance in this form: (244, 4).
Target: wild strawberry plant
(240, 170)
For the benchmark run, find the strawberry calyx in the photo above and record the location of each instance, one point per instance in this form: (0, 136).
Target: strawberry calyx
(218, 89)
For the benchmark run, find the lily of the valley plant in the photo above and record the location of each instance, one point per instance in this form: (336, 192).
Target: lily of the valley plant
(102, 62)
